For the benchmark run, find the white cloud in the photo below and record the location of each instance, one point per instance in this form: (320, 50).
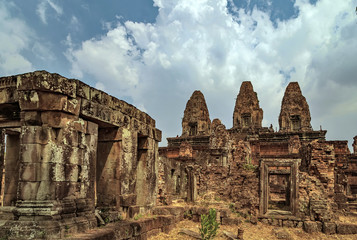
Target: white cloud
(42, 9)
(15, 37)
(200, 45)
(74, 24)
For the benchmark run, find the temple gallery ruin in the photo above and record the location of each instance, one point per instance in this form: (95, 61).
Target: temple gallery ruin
(73, 158)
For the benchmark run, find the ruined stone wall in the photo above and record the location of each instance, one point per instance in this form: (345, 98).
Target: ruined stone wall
(225, 175)
(314, 202)
(78, 147)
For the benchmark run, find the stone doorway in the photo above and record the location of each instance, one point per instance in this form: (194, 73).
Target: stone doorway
(9, 166)
(108, 168)
(278, 186)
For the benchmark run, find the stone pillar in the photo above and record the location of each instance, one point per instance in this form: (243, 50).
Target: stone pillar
(57, 175)
(147, 171)
(2, 166)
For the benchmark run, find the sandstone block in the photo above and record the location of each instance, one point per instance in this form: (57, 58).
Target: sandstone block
(28, 190)
(30, 153)
(95, 95)
(329, 228)
(56, 119)
(36, 135)
(74, 105)
(109, 134)
(42, 80)
(346, 228)
(92, 128)
(83, 90)
(8, 95)
(312, 226)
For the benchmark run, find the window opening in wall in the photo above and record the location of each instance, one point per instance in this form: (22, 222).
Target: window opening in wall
(172, 172)
(295, 122)
(193, 128)
(353, 189)
(178, 185)
(279, 192)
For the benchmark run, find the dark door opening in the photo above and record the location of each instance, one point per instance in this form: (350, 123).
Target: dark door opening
(279, 192)
(10, 168)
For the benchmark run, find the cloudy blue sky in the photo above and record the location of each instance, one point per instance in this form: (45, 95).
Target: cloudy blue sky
(155, 53)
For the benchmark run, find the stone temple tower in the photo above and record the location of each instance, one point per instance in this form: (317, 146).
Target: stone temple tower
(247, 113)
(196, 119)
(294, 113)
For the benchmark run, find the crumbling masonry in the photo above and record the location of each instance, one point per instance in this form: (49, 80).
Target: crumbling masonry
(292, 177)
(72, 158)
(66, 149)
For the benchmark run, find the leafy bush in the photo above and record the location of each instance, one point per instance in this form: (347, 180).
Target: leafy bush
(209, 225)
(249, 167)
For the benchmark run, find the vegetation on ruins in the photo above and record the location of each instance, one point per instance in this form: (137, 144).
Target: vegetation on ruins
(209, 225)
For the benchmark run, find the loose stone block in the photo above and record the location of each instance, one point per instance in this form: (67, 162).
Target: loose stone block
(346, 228)
(329, 228)
(311, 227)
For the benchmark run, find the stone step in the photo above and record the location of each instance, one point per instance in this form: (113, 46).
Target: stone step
(6, 213)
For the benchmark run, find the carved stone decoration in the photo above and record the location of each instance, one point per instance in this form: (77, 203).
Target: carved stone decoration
(295, 113)
(186, 150)
(294, 144)
(247, 113)
(196, 119)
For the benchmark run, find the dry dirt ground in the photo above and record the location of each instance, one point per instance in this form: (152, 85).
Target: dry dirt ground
(252, 232)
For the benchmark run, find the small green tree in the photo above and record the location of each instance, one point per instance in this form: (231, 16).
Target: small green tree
(209, 225)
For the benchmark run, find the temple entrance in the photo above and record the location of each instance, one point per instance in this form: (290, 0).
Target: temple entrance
(278, 186)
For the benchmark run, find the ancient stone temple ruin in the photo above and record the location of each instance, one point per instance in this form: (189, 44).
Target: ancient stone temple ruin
(67, 149)
(293, 177)
(73, 158)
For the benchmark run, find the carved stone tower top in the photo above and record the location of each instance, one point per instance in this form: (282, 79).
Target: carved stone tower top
(196, 119)
(294, 113)
(247, 113)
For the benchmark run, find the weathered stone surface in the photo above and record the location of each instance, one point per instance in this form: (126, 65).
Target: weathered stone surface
(312, 227)
(247, 113)
(346, 228)
(196, 119)
(69, 148)
(295, 112)
(329, 228)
